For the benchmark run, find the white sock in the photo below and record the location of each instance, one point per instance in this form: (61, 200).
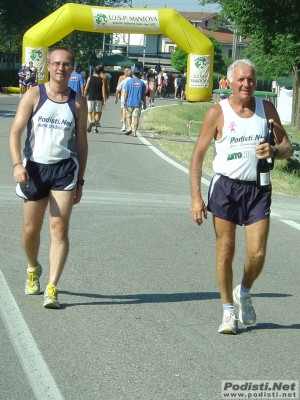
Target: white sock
(31, 269)
(244, 292)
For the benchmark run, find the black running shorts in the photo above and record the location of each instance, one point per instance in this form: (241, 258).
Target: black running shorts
(239, 202)
(46, 177)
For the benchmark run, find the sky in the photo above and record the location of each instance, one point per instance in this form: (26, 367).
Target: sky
(179, 5)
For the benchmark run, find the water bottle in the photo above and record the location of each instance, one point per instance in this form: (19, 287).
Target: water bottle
(263, 173)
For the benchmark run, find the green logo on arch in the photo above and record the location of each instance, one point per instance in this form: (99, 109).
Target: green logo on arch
(101, 19)
(36, 55)
(201, 62)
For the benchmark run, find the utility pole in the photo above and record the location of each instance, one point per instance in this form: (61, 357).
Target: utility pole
(128, 35)
(234, 42)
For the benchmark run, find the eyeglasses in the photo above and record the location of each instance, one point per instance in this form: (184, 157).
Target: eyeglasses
(56, 65)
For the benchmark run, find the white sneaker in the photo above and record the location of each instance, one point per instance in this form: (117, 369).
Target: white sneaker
(123, 129)
(247, 313)
(230, 323)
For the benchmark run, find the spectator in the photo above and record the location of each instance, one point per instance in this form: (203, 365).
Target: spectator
(134, 100)
(177, 84)
(120, 95)
(22, 75)
(274, 86)
(76, 81)
(223, 84)
(183, 84)
(96, 99)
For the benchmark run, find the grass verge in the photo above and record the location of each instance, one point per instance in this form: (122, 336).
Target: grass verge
(172, 121)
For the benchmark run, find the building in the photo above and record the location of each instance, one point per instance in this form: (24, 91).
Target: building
(156, 50)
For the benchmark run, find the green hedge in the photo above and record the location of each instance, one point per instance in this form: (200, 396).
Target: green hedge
(263, 84)
(9, 77)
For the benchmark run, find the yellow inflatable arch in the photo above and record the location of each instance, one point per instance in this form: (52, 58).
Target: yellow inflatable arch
(166, 21)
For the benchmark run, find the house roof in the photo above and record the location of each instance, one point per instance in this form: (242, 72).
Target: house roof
(197, 16)
(222, 35)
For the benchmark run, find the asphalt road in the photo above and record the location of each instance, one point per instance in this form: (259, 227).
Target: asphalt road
(140, 307)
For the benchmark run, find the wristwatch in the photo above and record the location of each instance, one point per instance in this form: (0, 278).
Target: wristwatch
(275, 151)
(80, 182)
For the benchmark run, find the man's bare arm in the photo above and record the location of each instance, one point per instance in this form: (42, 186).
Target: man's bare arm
(208, 132)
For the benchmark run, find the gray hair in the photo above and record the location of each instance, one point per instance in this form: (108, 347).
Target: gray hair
(240, 62)
(128, 72)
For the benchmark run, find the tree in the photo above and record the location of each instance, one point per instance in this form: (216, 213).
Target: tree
(179, 57)
(274, 31)
(219, 64)
(14, 24)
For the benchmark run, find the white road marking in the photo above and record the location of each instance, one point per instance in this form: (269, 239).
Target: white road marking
(166, 158)
(34, 366)
(291, 223)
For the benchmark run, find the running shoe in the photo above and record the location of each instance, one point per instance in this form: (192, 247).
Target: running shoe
(247, 313)
(230, 323)
(50, 297)
(89, 128)
(32, 285)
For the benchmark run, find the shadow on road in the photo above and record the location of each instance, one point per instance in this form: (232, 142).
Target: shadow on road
(141, 298)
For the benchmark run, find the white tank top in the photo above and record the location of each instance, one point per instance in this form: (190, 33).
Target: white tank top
(51, 130)
(235, 155)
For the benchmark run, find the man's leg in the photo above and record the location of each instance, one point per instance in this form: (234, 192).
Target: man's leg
(129, 112)
(90, 116)
(61, 203)
(257, 236)
(33, 215)
(123, 119)
(97, 120)
(124, 116)
(136, 125)
(225, 247)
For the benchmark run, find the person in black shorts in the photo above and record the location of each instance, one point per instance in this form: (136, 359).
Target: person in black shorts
(52, 171)
(236, 125)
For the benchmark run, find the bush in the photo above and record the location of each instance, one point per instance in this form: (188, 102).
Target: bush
(263, 84)
(9, 77)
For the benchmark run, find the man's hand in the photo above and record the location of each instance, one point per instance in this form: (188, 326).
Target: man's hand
(78, 194)
(264, 150)
(21, 174)
(198, 208)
